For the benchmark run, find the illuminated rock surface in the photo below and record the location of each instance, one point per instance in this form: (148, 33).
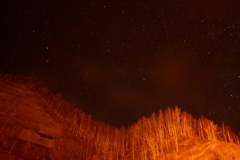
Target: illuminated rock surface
(35, 124)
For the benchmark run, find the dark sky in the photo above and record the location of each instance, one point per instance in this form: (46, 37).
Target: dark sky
(121, 60)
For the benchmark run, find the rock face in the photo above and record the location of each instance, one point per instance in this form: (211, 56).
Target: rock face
(35, 124)
(28, 131)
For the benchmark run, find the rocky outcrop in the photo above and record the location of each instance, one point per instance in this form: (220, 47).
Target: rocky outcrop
(27, 131)
(36, 124)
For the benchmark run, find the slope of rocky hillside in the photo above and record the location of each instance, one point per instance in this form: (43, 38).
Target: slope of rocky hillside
(36, 124)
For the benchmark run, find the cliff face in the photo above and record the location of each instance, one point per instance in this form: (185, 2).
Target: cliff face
(27, 131)
(35, 124)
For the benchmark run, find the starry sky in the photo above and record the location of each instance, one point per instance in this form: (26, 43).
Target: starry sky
(121, 60)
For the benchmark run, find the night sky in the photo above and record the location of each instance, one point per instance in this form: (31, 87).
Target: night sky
(121, 60)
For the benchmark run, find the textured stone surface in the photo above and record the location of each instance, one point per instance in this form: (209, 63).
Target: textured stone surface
(27, 131)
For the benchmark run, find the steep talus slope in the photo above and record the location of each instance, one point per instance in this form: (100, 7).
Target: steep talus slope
(36, 124)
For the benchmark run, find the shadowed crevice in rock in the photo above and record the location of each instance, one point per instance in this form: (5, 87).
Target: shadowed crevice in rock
(45, 136)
